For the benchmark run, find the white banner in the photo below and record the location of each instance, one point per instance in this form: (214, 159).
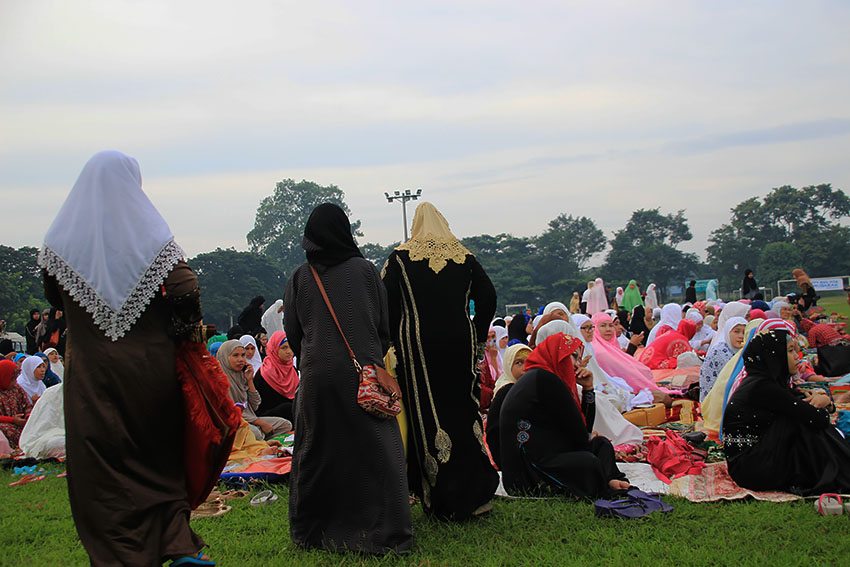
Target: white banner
(828, 284)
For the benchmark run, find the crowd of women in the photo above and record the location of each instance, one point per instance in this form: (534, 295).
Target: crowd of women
(538, 398)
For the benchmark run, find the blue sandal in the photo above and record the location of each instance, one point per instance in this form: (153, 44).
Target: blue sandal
(189, 560)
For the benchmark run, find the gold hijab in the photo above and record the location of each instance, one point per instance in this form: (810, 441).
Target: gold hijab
(432, 240)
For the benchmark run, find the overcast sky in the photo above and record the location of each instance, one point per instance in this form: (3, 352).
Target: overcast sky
(504, 113)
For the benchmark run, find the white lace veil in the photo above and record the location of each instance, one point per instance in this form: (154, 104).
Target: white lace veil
(108, 247)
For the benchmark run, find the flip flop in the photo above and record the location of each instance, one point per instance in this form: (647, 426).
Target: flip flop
(189, 560)
(264, 497)
(652, 501)
(829, 504)
(623, 508)
(27, 479)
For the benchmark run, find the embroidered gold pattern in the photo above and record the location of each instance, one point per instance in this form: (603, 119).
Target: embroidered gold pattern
(436, 250)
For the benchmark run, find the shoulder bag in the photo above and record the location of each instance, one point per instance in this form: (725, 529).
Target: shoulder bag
(378, 393)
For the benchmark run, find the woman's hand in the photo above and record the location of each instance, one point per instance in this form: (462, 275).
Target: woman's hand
(584, 377)
(248, 373)
(818, 400)
(637, 339)
(19, 421)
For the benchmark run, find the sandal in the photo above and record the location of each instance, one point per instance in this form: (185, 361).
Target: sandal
(192, 560)
(27, 479)
(264, 497)
(829, 504)
(209, 510)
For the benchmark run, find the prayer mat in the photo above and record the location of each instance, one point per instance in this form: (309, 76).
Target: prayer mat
(714, 483)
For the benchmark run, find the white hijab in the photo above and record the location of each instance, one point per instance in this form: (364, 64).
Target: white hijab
(705, 331)
(651, 299)
(272, 321)
(620, 296)
(501, 333)
(108, 247)
(255, 361)
(57, 367)
(671, 315)
(31, 385)
(730, 310)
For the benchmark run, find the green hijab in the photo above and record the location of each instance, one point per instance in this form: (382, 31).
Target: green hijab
(631, 298)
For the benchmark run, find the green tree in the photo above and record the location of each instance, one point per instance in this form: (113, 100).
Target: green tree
(281, 217)
(571, 242)
(229, 279)
(21, 288)
(646, 250)
(809, 218)
(776, 262)
(376, 253)
(510, 263)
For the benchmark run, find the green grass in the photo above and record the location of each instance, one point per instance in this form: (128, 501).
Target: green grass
(36, 529)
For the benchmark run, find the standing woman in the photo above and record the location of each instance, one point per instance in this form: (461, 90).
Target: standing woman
(272, 320)
(107, 258)
(430, 280)
(651, 297)
(348, 490)
(251, 317)
(30, 330)
(598, 300)
(631, 297)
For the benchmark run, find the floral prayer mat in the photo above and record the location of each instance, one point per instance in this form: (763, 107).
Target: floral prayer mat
(715, 484)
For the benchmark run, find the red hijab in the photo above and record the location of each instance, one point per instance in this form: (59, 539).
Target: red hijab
(664, 350)
(554, 355)
(281, 376)
(7, 373)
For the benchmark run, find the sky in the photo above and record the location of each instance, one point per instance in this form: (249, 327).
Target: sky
(504, 113)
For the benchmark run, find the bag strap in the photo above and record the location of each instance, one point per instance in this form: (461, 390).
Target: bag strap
(333, 316)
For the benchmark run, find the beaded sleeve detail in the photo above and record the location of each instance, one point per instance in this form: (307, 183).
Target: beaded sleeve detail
(114, 324)
(438, 251)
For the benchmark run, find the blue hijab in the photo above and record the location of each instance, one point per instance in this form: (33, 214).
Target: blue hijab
(50, 377)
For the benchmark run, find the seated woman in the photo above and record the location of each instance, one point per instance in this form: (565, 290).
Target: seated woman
(32, 373)
(513, 366)
(277, 379)
(703, 335)
(664, 351)
(231, 358)
(671, 314)
(777, 438)
(15, 404)
(43, 437)
(545, 441)
(731, 340)
(252, 352)
(491, 367)
(246, 446)
(50, 377)
(616, 362)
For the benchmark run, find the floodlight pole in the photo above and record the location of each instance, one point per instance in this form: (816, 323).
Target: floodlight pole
(404, 196)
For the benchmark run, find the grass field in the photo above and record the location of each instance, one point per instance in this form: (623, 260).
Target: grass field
(36, 529)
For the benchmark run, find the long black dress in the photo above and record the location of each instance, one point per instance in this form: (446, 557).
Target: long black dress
(773, 439)
(545, 445)
(348, 490)
(434, 338)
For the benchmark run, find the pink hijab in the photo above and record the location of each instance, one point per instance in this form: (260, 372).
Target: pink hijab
(598, 301)
(280, 375)
(615, 362)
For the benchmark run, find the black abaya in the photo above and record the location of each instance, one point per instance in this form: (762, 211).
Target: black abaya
(545, 445)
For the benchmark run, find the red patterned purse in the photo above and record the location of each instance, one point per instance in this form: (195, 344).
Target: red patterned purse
(378, 393)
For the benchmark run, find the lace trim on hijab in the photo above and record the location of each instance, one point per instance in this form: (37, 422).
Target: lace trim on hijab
(438, 251)
(114, 324)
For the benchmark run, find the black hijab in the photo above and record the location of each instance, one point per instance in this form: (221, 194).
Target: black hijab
(251, 316)
(749, 283)
(327, 236)
(623, 316)
(766, 357)
(637, 325)
(32, 323)
(516, 329)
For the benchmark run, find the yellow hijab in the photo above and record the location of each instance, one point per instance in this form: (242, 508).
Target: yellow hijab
(432, 240)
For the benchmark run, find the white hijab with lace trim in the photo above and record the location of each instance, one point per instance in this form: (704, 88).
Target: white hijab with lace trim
(432, 240)
(108, 247)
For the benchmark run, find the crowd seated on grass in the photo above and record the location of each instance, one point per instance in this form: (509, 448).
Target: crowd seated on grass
(560, 394)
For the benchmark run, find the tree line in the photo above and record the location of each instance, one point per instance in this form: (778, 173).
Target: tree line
(788, 228)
